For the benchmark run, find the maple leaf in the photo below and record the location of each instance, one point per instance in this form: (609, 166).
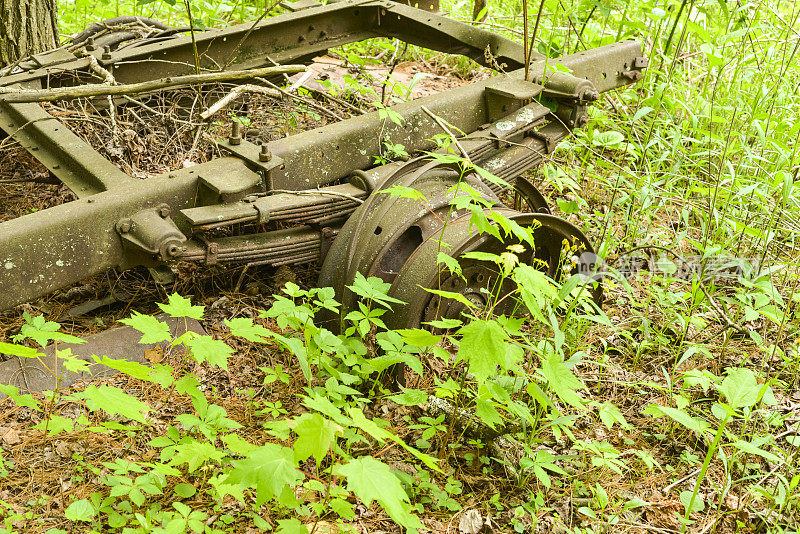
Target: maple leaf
(371, 479)
(179, 306)
(42, 331)
(244, 327)
(114, 401)
(269, 469)
(153, 330)
(483, 346)
(315, 434)
(195, 453)
(207, 348)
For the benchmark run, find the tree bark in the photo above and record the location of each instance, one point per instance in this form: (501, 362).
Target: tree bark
(27, 27)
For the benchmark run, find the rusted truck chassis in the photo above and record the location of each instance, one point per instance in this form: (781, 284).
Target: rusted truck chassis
(308, 197)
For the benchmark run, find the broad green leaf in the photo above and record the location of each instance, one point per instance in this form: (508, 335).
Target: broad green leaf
(20, 351)
(206, 348)
(740, 388)
(41, 331)
(483, 346)
(561, 380)
(153, 330)
(402, 191)
(244, 327)
(20, 399)
(184, 490)
(56, 424)
(608, 138)
(696, 377)
(450, 262)
(697, 506)
(134, 369)
(487, 413)
(481, 256)
(489, 177)
(315, 436)
(370, 479)
(179, 306)
(195, 453)
(644, 110)
(445, 324)
(81, 510)
(694, 424)
(114, 401)
(609, 414)
(381, 363)
(238, 445)
(291, 526)
(418, 337)
(452, 295)
(410, 397)
(754, 448)
(567, 207)
(636, 502)
(269, 469)
(373, 288)
(72, 363)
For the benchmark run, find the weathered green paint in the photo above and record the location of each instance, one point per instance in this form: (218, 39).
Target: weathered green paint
(44, 251)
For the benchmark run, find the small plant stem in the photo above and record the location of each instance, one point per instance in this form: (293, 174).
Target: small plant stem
(267, 11)
(525, 56)
(660, 103)
(449, 132)
(194, 40)
(533, 41)
(451, 426)
(712, 449)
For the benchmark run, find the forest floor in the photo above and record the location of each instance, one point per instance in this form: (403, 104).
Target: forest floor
(675, 408)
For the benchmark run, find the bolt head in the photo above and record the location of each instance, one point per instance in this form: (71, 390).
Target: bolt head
(124, 226)
(164, 211)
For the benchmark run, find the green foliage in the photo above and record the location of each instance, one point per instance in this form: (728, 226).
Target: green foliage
(370, 479)
(81, 510)
(153, 330)
(270, 469)
(484, 346)
(701, 158)
(114, 401)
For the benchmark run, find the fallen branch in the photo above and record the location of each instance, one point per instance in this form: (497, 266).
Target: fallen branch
(236, 93)
(448, 131)
(507, 450)
(94, 66)
(91, 90)
(467, 421)
(306, 101)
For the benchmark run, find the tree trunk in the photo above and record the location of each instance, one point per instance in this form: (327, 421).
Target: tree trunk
(27, 27)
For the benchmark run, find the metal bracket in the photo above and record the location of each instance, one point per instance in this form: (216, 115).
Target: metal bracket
(152, 231)
(508, 96)
(549, 141)
(230, 187)
(258, 158)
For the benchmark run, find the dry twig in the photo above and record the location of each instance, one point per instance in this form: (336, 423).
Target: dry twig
(84, 91)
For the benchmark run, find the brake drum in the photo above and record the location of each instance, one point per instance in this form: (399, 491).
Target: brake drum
(398, 239)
